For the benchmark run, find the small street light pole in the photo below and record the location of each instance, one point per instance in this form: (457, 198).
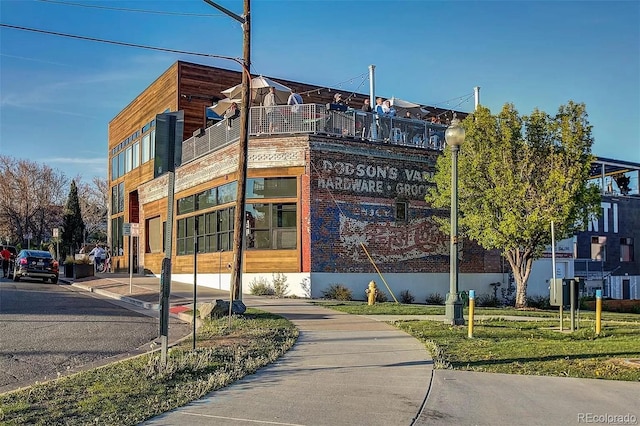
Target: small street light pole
(454, 136)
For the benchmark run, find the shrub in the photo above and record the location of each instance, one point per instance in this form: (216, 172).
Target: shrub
(629, 306)
(509, 295)
(435, 299)
(79, 259)
(539, 302)
(406, 297)
(280, 286)
(305, 285)
(381, 296)
(584, 302)
(337, 292)
(261, 287)
(487, 301)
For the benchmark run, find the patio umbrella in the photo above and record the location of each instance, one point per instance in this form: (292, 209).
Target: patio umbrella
(402, 104)
(259, 89)
(221, 106)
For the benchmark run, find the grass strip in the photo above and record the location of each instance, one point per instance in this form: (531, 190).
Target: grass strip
(533, 348)
(391, 308)
(134, 390)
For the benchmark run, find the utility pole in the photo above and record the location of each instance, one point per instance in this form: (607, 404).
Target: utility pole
(235, 287)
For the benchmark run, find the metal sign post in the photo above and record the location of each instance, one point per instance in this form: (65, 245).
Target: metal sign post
(134, 233)
(126, 231)
(55, 234)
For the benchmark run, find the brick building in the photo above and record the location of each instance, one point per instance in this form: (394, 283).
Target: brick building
(328, 202)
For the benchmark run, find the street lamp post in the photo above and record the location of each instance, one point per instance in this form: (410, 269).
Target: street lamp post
(453, 307)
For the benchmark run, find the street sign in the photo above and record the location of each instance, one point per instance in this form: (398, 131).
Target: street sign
(55, 232)
(132, 229)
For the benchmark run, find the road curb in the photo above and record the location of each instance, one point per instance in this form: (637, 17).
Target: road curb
(126, 299)
(132, 301)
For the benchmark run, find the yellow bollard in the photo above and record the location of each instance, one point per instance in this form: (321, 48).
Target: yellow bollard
(372, 292)
(472, 304)
(598, 311)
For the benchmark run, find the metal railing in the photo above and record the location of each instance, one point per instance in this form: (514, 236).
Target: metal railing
(318, 119)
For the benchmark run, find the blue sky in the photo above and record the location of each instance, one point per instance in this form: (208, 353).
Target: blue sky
(57, 95)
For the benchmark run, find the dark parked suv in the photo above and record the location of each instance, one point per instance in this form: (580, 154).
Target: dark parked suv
(35, 264)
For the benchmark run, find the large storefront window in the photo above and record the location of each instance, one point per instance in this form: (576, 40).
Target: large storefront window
(154, 235)
(227, 193)
(117, 240)
(285, 187)
(186, 204)
(117, 198)
(268, 226)
(271, 226)
(214, 232)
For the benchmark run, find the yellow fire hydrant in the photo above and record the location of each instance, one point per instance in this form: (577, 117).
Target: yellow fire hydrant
(372, 292)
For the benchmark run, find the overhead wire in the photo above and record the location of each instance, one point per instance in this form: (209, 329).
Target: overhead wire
(122, 43)
(453, 99)
(339, 85)
(122, 9)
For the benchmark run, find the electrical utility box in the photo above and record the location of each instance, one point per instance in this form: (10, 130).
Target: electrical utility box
(560, 291)
(556, 292)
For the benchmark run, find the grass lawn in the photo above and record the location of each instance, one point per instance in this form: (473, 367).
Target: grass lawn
(521, 347)
(537, 348)
(131, 391)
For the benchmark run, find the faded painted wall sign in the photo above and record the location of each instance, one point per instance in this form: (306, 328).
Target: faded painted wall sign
(373, 179)
(416, 239)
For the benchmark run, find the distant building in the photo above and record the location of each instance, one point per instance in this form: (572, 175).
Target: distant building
(603, 255)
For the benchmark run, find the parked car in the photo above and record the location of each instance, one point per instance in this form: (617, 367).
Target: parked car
(13, 252)
(35, 264)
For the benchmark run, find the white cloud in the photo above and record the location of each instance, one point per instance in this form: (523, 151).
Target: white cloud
(77, 160)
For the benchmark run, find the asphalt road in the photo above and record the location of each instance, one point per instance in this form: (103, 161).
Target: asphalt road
(47, 330)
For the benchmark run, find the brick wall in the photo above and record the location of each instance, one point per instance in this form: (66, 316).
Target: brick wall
(354, 189)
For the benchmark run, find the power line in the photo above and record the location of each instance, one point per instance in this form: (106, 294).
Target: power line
(447, 102)
(121, 9)
(339, 85)
(121, 43)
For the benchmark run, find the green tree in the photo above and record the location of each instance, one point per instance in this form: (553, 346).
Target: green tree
(72, 223)
(517, 175)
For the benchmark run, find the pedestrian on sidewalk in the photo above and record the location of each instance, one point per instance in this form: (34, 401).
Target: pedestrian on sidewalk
(5, 255)
(98, 256)
(107, 260)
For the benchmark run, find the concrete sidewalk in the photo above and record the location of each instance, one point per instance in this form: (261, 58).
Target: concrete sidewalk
(343, 370)
(357, 370)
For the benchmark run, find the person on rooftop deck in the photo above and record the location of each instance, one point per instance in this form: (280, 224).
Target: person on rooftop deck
(232, 113)
(366, 105)
(295, 100)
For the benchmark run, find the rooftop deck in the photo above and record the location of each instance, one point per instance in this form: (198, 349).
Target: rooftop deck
(318, 119)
